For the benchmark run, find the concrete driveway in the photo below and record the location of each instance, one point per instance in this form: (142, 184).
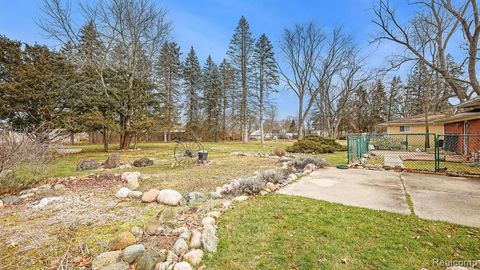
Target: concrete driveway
(435, 197)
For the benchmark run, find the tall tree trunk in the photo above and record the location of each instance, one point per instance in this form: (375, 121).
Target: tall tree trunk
(125, 135)
(72, 138)
(105, 139)
(300, 118)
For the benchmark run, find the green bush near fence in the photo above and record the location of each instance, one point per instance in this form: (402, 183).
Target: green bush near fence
(314, 144)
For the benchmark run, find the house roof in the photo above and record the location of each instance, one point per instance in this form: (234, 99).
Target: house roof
(418, 119)
(473, 103)
(464, 116)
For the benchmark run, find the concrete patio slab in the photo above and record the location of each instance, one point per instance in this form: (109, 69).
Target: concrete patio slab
(437, 197)
(380, 190)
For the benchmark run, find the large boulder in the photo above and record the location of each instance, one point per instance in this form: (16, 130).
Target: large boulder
(194, 257)
(210, 240)
(88, 164)
(169, 197)
(113, 161)
(182, 266)
(122, 241)
(117, 266)
(180, 247)
(143, 162)
(105, 259)
(196, 239)
(132, 179)
(131, 253)
(150, 196)
(147, 262)
(123, 192)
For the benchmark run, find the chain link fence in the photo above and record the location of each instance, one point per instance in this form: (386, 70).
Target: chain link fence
(452, 153)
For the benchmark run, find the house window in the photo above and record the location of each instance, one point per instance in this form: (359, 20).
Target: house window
(404, 129)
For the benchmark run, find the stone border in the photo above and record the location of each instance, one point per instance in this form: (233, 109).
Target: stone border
(191, 244)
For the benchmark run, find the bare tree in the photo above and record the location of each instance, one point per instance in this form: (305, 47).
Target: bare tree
(434, 24)
(130, 35)
(468, 17)
(301, 47)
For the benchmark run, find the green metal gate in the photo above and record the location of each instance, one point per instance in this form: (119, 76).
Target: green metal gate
(453, 153)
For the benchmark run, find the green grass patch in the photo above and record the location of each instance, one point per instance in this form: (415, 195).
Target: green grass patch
(284, 232)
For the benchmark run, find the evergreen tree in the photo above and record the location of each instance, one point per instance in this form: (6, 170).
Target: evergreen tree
(192, 81)
(169, 73)
(212, 99)
(35, 88)
(393, 106)
(377, 108)
(240, 52)
(266, 76)
(228, 95)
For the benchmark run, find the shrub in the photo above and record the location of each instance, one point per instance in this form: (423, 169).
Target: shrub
(279, 152)
(274, 176)
(22, 176)
(301, 162)
(313, 144)
(249, 186)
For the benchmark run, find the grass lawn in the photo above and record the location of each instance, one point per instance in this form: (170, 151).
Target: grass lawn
(287, 232)
(161, 175)
(451, 166)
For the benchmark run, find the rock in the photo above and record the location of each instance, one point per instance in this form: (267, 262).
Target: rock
(58, 187)
(147, 262)
(210, 240)
(11, 200)
(132, 179)
(45, 201)
(163, 265)
(26, 196)
(88, 164)
(196, 239)
(214, 214)
(182, 266)
(169, 197)
(180, 247)
(113, 161)
(194, 257)
(285, 159)
(152, 228)
(240, 198)
(214, 195)
(106, 259)
(150, 196)
(186, 235)
(135, 194)
(137, 232)
(172, 257)
(1, 203)
(167, 215)
(192, 197)
(208, 222)
(122, 241)
(227, 203)
(117, 266)
(131, 253)
(263, 192)
(143, 162)
(30, 190)
(123, 192)
(270, 186)
(310, 167)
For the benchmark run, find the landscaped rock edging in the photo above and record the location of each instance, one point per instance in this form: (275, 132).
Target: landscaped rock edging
(192, 241)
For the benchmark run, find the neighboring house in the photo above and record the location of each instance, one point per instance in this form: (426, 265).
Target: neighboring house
(256, 135)
(416, 124)
(462, 129)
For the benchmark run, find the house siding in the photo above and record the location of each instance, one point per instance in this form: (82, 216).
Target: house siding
(437, 129)
(473, 128)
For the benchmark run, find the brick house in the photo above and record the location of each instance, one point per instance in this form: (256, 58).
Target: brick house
(462, 129)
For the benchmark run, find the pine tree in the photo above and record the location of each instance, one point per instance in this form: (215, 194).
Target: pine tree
(266, 76)
(240, 52)
(393, 99)
(169, 72)
(212, 99)
(377, 108)
(228, 95)
(192, 82)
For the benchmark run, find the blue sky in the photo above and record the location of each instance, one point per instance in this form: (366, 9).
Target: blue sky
(208, 25)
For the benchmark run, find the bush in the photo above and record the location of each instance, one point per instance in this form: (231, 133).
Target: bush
(278, 152)
(274, 176)
(22, 176)
(301, 162)
(249, 186)
(313, 144)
